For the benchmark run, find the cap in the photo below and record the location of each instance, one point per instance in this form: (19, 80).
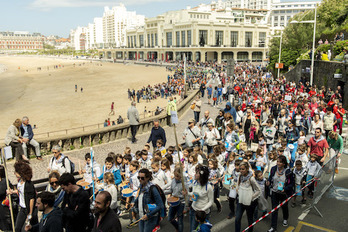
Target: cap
(192, 120)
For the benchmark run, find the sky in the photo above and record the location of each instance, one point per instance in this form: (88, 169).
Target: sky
(57, 17)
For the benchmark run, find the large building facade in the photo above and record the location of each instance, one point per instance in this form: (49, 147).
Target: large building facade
(20, 40)
(108, 31)
(204, 33)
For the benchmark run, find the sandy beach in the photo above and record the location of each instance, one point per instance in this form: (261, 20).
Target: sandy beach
(49, 99)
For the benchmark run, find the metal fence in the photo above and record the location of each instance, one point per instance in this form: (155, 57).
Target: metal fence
(325, 180)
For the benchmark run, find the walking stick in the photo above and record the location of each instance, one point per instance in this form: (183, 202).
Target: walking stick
(8, 187)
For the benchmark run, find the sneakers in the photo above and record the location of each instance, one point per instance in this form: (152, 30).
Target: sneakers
(272, 230)
(157, 228)
(285, 222)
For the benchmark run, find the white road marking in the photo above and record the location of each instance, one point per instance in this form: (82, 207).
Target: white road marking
(222, 224)
(303, 215)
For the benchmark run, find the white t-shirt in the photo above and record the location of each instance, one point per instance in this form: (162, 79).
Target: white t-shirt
(20, 187)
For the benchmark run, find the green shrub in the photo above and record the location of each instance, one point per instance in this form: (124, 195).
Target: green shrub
(340, 46)
(323, 47)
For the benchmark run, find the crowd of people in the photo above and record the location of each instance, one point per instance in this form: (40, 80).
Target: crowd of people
(269, 139)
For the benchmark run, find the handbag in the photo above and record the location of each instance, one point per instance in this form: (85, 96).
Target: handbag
(193, 106)
(254, 146)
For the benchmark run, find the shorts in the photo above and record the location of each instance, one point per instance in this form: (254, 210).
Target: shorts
(209, 96)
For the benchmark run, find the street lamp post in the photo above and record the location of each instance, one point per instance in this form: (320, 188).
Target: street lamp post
(280, 52)
(313, 46)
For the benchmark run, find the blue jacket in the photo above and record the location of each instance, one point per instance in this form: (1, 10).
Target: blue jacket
(206, 227)
(292, 136)
(30, 131)
(232, 111)
(147, 200)
(157, 134)
(117, 175)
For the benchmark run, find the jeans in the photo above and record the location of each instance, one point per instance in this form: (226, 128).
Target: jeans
(148, 225)
(231, 205)
(133, 131)
(250, 214)
(35, 144)
(193, 222)
(178, 222)
(217, 195)
(196, 115)
(277, 198)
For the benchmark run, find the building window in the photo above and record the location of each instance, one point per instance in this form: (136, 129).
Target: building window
(248, 39)
(183, 36)
(169, 39)
(234, 38)
(156, 39)
(131, 42)
(177, 38)
(275, 18)
(203, 37)
(141, 40)
(128, 41)
(148, 40)
(262, 39)
(288, 18)
(135, 41)
(281, 18)
(188, 38)
(219, 38)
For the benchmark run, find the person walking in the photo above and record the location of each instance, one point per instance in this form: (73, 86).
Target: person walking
(112, 110)
(133, 117)
(157, 132)
(75, 206)
(27, 195)
(147, 194)
(106, 220)
(196, 106)
(52, 217)
(171, 107)
(319, 146)
(281, 182)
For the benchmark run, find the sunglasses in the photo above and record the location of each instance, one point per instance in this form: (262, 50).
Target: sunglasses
(141, 178)
(54, 182)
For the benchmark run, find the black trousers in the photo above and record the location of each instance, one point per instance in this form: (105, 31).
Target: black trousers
(134, 132)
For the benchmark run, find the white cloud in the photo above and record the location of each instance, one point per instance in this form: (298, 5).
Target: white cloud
(50, 4)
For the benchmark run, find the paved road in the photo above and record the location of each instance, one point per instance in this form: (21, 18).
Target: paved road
(333, 210)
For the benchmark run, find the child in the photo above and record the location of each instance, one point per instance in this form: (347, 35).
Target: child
(300, 180)
(171, 163)
(133, 185)
(312, 169)
(159, 177)
(262, 143)
(301, 140)
(110, 167)
(87, 172)
(262, 202)
(110, 187)
(126, 160)
(145, 161)
(197, 150)
(272, 161)
(137, 155)
(233, 193)
(147, 148)
(261, 160)
(119, 163)
(191, 168)
(165, 166)
(219, 155)
(301, 155)
(214, 177)
(128, 151)
(204, 225)
(176, 191)
(160, 147)
(241, 136)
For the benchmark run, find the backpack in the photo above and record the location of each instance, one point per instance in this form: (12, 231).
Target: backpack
(72, 165)
(163, 211)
